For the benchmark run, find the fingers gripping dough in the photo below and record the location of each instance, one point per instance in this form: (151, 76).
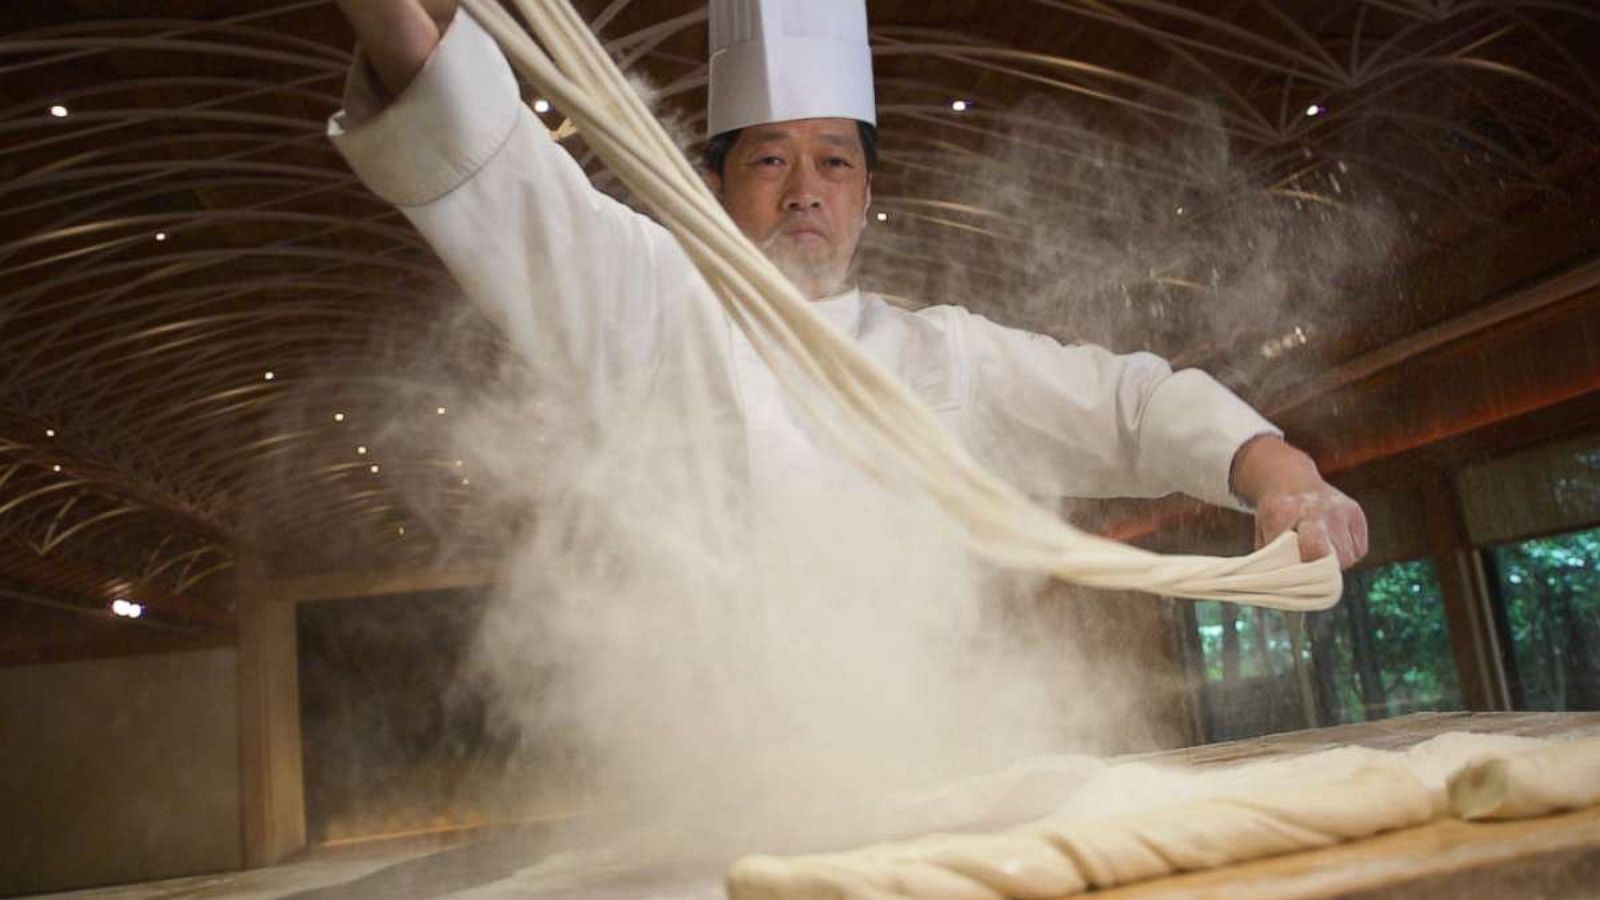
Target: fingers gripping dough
(1533, 783)
(1056, 857)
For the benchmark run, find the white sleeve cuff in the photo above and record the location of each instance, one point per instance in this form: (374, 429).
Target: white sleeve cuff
(449, 121)
(1193, 427)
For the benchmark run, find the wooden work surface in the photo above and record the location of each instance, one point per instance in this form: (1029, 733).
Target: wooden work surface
(1553, 857)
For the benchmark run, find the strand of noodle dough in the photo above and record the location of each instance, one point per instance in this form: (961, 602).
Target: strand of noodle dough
(858, 405)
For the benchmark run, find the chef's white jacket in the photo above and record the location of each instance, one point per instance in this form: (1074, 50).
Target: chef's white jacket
(567, 270)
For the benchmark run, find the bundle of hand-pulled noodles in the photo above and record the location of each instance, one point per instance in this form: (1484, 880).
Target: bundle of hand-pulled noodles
(877, 418)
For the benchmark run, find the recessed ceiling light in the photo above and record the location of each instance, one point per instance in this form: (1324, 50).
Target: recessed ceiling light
(56, 467)
(1314, 110)
(50, 432)
(338, 417)
(401, 531)
(373, 468)
(440, 411)
(541, 106)
(269, 376)
(466, 481)
(883, 217)
(58, 111)
(361, 450)
(161, 235)
(958, 105)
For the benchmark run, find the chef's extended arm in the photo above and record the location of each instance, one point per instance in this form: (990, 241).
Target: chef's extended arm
(570, 274)
(1081, 421)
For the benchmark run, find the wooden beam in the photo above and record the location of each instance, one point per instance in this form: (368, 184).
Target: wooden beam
(1473, 641)
(308, 588)
(272, 797)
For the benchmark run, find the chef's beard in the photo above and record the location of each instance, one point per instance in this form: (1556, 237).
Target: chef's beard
(817, 274)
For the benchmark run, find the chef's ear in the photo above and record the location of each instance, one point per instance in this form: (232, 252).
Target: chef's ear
(713, 181)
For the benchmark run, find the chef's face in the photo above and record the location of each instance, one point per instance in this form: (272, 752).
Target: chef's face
(800, 191)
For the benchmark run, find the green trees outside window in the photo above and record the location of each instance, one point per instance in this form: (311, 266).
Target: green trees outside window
(1549, 592)
(1383, 651)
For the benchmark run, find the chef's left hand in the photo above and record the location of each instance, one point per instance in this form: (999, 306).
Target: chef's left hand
(1286, 489)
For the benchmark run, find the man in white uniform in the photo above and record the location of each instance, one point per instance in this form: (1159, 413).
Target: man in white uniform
(434, 124)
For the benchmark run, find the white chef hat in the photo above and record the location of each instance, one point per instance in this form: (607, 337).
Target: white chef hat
(776, 60)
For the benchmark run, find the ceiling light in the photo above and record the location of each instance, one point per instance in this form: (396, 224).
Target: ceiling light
(883, 217)
(1314, 110)
(119, 606)
(958, 105)
(439, 411)
(50, 432)
(338, 417)
(1180, 210)
(373, 468)
(56, 467)
(161, 235)
(58, 111)
(401, 530)
(541, 106)
(135, 610)
(269, 376)
(458, 463)
(466, 481)
(361, 450)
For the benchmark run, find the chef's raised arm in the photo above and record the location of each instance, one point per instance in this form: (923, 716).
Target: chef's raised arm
(559, 265)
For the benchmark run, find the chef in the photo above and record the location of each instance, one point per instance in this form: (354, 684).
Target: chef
(434, 124)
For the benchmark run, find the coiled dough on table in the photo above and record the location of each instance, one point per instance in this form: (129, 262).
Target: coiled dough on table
(1555, 777)
(1057, 857)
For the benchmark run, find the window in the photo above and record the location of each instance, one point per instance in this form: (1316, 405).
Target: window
(1383, 651)
(1549, 603)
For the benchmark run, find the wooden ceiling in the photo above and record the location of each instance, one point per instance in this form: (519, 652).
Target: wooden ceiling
(216, 342)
